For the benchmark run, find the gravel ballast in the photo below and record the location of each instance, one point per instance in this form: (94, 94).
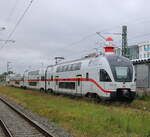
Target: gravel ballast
(50, 126)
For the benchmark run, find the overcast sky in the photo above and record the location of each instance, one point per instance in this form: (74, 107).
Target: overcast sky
(66, 28)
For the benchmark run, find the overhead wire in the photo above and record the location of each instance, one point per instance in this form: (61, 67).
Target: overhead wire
(70, 45)
(135, 22)
(82, 39)
(17, 24)
(85, 38)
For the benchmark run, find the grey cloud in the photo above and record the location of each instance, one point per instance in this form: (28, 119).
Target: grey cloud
(51, 26)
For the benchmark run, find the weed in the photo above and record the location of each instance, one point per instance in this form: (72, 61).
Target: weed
(82, 118)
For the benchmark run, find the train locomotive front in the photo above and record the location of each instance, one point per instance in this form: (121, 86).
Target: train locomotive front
(117, 76)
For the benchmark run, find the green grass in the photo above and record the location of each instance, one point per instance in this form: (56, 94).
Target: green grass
(82, 118)
(144, 98)
(142, 103)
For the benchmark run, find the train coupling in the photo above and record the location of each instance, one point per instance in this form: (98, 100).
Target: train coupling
(123, 94)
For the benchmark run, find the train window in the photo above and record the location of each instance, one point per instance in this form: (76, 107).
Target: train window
(65, 68)
(104, 76)
(51, 77)
(68, 67)
(67, 85)
(72, 85)
(77, 66)
(42, 77)
(58, 69)
(87, 75)
(33, 83)
(61, 85)
(122, 72)
(17, 82)
(61, 69)
(71, 67)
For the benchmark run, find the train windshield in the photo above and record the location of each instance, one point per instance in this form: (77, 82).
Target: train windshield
(122, 72)
(121, 68)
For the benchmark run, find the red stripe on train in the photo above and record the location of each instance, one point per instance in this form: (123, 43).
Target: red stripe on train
(70, 79)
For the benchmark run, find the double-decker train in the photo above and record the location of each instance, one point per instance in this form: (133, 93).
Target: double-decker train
(107, 76)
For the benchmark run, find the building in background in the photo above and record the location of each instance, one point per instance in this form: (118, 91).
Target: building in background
(139, 51)
(144, 50)
(133, 52)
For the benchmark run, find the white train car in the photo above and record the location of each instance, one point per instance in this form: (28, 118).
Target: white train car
(11, 80)
(106, 76)
(16, 80)
(34, 80)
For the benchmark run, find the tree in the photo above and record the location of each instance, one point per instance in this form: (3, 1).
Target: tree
(3, 75)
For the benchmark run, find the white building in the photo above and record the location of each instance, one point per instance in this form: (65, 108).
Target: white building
(144, 50)
(138, 51)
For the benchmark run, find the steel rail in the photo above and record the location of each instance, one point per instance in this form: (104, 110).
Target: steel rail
(5, 129)
(38, 126)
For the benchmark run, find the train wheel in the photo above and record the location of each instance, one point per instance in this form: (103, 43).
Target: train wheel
(89, 95)
(97, 99)
(49, 91)
(93, 97)
(24, 87)
(41, 89)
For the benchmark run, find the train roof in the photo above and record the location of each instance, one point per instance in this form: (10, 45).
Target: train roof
(88, 57)
(92, 55)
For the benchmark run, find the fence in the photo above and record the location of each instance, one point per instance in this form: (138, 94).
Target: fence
(142, 69)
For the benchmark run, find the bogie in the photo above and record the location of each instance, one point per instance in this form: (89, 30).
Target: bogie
(42, 89)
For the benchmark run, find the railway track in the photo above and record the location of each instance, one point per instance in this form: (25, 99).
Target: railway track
(4, 131)
(14, 123)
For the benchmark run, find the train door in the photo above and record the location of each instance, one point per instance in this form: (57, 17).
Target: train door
(56, 83)
(104, 78)
(79, 85)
